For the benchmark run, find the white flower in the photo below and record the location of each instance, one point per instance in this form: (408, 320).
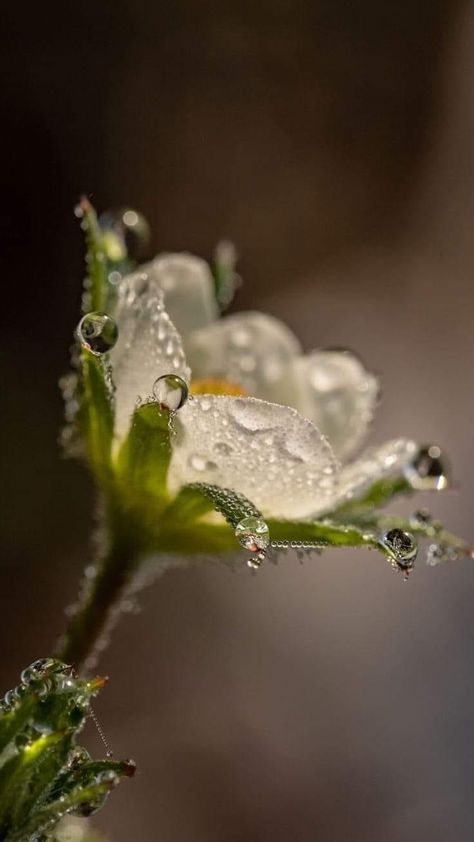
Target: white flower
(258, 445)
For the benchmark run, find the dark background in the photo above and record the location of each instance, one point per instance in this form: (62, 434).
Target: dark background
(332, 140)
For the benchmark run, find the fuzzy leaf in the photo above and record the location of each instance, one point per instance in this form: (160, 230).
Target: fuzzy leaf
(40, 761)
(48, 816)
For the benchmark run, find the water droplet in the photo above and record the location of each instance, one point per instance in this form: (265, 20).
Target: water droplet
(255, 561)
(253, 534)
(200, 463)
(129, 229)
(223, 448)
(428, 471)
(423, 517)
(402, 547)
(41, 668)
(170, 391)
(97, 332)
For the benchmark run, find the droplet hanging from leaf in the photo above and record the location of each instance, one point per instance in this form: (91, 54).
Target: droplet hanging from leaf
(97, 332)
(429, 470)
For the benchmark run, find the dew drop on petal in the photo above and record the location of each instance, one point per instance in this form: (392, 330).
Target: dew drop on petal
(97, 332)
(199, 463)
(223, 448)
(170, 391)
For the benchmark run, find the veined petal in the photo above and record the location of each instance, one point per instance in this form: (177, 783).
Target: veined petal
(378, 463)
(188, 287)
(336, 392)
(267, 452)
(148, 347)
(249, 349)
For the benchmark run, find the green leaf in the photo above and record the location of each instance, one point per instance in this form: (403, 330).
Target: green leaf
(96, 411)
(13, 721)
(40, 761)
(27, 775)
(143, 462)
(48, 816)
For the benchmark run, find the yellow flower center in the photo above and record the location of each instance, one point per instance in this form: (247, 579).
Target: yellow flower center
(214, 386)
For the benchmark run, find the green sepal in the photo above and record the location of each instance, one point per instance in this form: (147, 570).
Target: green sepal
(324, 533)
(188, 505)
(97, 285)
(225, 277)
(143, 461)
(232, 505)
(378, 495)
(96, 411)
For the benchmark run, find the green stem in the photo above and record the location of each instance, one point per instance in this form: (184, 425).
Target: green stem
(98, 610)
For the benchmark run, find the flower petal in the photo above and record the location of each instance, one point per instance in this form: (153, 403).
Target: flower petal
(249, 349)
(265, 451)
(188, 286)
(378, 463)
(336, 392)
(148, 346)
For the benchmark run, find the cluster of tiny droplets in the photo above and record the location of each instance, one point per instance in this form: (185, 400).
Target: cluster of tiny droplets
(233, 506)
(298, 545)
(42, 675)
(100, 731)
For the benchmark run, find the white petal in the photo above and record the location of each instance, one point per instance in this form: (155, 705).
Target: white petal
(267, 452)
(249, 349)
(148, 346)
(188, 286)
(338, 394)
(378, 463)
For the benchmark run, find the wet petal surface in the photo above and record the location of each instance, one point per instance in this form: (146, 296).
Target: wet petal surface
(252, 350)
(266, 451)
(338, 395)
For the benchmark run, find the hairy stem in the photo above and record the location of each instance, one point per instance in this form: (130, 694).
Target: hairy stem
(98, 610)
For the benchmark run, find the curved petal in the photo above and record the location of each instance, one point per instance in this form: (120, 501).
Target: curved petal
(248, 349)
(266, 451)
(188, 287)
(336, 392)
(387, 460)
(148, 346)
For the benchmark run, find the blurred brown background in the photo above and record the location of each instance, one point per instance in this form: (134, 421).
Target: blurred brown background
(332, 140)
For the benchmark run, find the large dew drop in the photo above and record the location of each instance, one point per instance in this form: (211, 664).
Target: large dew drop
(428, 471)
(125, 233)
(170, 391)
(402, 547)
(253, 534)
(97, 332)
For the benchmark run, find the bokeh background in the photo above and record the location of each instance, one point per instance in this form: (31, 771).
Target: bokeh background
(332, 141)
